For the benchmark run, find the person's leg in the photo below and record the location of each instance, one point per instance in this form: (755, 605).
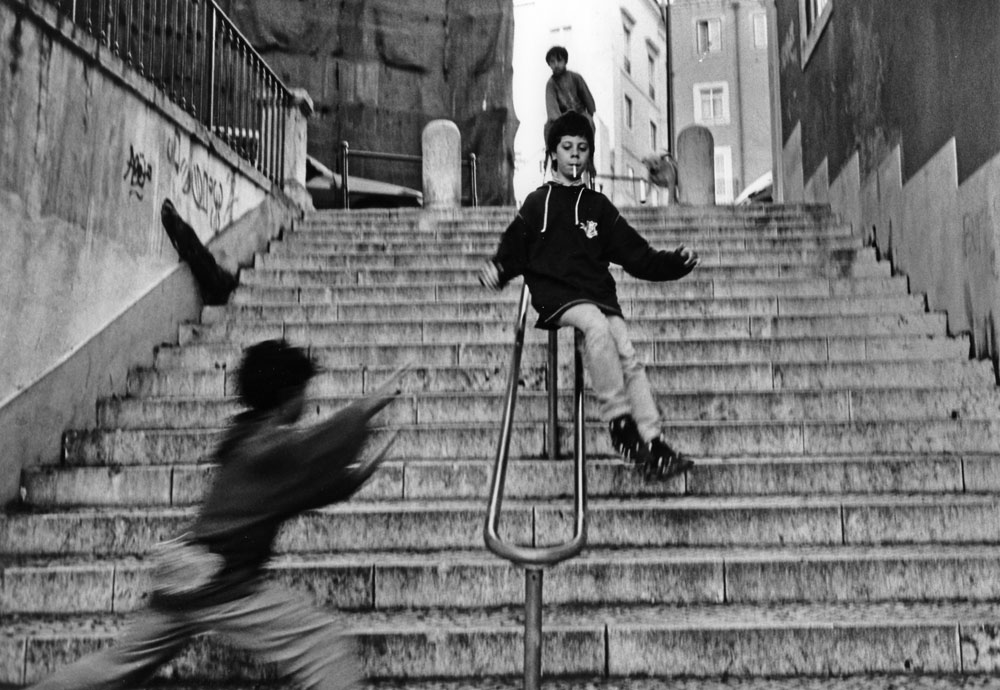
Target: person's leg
(148, 642)
(600, 357)
(637, 389)
(285, 630)
(658, 460)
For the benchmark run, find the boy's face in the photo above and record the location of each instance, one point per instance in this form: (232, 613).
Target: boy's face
(557, 65)
(571, 158)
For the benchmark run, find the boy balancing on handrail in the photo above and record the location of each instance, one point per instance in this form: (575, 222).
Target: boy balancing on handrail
(561, 241)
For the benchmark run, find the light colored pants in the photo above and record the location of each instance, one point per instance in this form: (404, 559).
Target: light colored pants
(617, 377)
(273, 623)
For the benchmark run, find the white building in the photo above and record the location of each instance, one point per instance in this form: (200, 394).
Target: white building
(620, 49)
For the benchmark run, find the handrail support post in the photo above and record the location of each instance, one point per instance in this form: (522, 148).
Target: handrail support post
(532, 628)
(552, 376)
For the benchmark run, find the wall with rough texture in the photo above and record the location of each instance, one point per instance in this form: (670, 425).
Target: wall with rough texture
(379, 70)
(89, 282)
(894, 118)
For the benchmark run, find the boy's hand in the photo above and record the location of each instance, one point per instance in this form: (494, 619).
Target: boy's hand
(689, 256)
(489, 276)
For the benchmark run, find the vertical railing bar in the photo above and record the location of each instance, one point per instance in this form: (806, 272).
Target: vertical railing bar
(552, 374)
(344, 156)
(473, 179)
(140, 31)
(284, 103)
(212, 66)
(163, 45)
(533, 580)
(192, 29)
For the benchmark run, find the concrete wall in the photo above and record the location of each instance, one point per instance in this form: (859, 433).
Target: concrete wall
(894, 118)
(88, 278)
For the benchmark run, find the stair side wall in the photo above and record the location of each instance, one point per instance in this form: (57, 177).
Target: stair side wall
(90, 282)
(892, 118)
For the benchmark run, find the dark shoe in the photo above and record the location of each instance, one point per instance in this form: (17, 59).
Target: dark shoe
(661, 462)
(625, 438)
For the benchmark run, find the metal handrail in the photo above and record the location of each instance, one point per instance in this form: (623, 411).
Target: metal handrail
(534, 559)
(346, 152)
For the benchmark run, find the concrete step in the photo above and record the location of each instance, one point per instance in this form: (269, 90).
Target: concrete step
(304, 245)
(437, 257)
(648, 227)
(475, 579)
(694, 286)
(469, 276)
(327, 391)
(445, 330)
(658, 640)
(755, 521)
(184, 485)
(753, 424)
(506, 308)
(200, 368)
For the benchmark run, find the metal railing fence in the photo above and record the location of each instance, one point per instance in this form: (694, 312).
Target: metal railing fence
(198, 58)
(345, 165)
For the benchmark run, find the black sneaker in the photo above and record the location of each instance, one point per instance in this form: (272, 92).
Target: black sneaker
(661, 462)
(625, 438)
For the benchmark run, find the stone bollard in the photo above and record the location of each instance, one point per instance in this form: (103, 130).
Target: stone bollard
(294, 153)
(441, 144)
(696, 165)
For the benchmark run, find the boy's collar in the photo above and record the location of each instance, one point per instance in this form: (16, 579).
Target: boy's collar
(557, 183)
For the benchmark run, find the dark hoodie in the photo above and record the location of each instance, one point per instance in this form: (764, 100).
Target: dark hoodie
(269, 472)
(562, 241)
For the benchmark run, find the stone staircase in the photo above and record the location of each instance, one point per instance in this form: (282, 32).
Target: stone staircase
(843, 518)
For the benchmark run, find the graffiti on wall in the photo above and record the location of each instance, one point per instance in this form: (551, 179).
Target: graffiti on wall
(207, 192)
(138, 171)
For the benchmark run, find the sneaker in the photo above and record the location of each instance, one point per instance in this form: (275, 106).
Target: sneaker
(625, 438)
(661, 462)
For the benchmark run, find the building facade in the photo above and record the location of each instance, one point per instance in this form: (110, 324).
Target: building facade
(720, 80)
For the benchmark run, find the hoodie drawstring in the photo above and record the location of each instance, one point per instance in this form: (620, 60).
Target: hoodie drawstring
(576, 208)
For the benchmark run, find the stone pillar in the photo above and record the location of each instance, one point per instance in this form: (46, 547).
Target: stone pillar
(294, 151)
(696, 166)
(441, 144)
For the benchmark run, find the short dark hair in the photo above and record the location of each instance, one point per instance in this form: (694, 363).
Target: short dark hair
(570, 124)
(557, 52)
(271, 373)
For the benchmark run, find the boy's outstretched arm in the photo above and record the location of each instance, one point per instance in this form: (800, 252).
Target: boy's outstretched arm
(633, 253)
(510, 257)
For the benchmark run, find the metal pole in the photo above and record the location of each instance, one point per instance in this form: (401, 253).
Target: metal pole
(552, 374)
(344, 152)
(532, 628)
(473, 182)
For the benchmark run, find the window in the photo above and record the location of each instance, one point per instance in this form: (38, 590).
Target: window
(814, 15)
(652, 77)
(628, 49)
(760, 30)
(711, 103)
(628, 112)
(723, 174)
(708, 36)
(652, 136)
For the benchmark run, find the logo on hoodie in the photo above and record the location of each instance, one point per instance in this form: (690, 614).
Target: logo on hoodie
(589, 228)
